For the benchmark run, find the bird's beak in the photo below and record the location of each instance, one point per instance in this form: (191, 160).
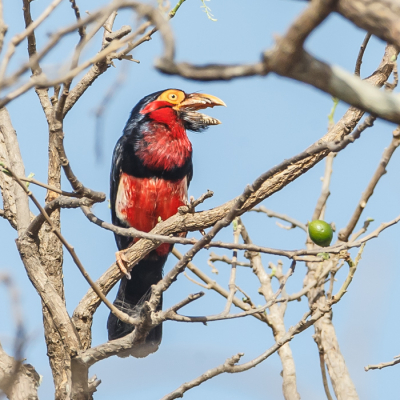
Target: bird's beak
(198, 101)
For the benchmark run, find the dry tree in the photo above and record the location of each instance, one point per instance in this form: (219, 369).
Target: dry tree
(41, 244)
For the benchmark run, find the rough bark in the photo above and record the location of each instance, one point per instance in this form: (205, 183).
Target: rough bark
(51, 257)
(380, 18)
(18, 381)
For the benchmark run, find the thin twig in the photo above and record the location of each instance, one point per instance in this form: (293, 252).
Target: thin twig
(49, 187)
(361, 54)
(323, 373)
(325, 193)
(27, 33)
(382, 365)
(352, 270)
(195, 282)
(232, 279)
(215, 257)
(81, 29)
(379, 172)
(272, 214)
(247, 297)
(185, 302)
(223, 316)
(212, 285)
(364, 229)
(3, 27)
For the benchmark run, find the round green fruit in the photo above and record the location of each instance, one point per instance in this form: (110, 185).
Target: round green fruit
(320, 233)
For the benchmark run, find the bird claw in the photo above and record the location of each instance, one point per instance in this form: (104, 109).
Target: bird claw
(121, 262)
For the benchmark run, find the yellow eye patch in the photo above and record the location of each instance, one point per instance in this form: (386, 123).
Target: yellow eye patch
(173, 96)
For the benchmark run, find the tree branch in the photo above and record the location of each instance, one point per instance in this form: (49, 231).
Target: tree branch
(272, 214)
(229, 365)
(25, 381)
(380, 171)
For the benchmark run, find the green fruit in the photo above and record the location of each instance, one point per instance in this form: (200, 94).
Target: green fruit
(320, 233)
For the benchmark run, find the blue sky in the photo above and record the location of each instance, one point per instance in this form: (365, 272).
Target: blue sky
(267, 119)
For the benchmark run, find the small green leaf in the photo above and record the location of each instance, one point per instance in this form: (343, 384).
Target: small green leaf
(7, 172)
(30, 176)
(333, 109)
(325, 256)
(235, 225)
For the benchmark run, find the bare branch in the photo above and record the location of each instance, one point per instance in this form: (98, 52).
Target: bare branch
(194, 203)
(81, 29)
(185, 302)
(120, 33)
(29, 33)
(215, 286)
(124, 346)
(383, 24)
(380, 171)
(3, 27)
(215, 257)
(229, 365)
(78, 186)
(232, 280)
(356, 235)
(325, 193)
(26, 382)
(382, 365)
(194, 281)
(223, 315)
(352, 270)
(56, 204)
(275, 320)
(322, 367)
(52, 188)
(357, 70)
(272, 214)
(22, 213)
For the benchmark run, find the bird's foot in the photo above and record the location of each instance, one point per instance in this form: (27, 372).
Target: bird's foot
(122, 262)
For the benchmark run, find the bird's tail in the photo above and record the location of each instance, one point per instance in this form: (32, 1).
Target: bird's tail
(130, 298)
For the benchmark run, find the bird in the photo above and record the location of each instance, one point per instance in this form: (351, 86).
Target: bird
(150, 175)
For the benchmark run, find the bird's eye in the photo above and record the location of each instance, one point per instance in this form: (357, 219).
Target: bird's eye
(172, 96)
